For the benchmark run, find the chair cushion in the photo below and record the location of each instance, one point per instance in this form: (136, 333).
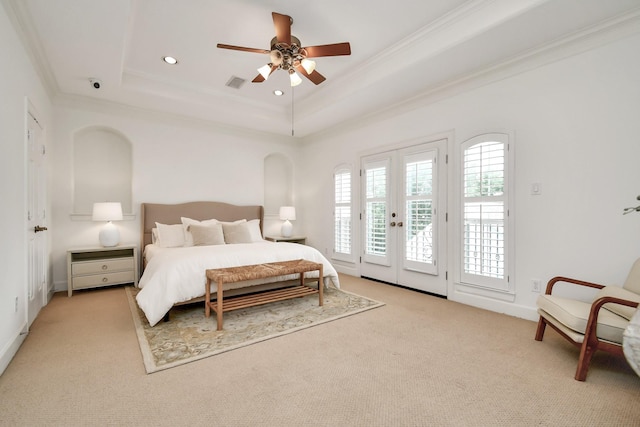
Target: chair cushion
(574, 315)
(618, 292)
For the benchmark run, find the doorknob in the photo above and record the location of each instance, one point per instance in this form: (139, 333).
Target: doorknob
(400, 224)
(38, 228)
(393, 224)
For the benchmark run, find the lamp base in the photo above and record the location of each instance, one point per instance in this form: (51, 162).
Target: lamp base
(287, 229)
(109, 235)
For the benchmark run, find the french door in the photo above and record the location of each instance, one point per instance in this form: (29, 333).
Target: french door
(403, 217)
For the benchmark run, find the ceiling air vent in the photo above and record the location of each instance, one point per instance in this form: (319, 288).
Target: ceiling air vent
(235, 82)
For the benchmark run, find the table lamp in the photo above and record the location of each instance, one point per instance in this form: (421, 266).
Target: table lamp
(287, 213)
(108, 211)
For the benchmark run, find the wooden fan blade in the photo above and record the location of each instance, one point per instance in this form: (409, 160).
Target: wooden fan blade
(315, 76)
(260, 78)
(283, 27)
(336, 49)
(243, 49)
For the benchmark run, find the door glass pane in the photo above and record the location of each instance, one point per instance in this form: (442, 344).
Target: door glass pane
(376, 211)
(419, 211)
(376, 243)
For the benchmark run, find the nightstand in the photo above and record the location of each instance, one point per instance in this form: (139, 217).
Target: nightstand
(96, 267)
(293, 239)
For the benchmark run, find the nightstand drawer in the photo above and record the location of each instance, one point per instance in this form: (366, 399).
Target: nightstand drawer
(102, 266)
(103, 279)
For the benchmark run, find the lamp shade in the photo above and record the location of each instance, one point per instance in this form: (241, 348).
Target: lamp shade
(295, 78)
(287, 213)
(107, 211)
(265, 71)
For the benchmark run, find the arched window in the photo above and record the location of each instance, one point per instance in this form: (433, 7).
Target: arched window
(342, 214)
(486, 231)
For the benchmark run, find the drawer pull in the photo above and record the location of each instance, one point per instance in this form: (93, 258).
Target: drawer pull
(104, 266)
(105, 279)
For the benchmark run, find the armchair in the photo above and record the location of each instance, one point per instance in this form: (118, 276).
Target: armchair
(591, 326)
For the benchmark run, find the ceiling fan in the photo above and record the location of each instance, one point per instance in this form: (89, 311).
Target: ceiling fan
(287, 53)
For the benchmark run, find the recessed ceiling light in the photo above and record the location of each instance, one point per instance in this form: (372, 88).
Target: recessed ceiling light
(278, 92)
(170, 60)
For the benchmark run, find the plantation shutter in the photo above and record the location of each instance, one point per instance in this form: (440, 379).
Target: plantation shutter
(484, 234)
(342, 212)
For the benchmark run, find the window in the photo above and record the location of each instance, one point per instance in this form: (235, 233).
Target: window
(342, 246)
(485, 212)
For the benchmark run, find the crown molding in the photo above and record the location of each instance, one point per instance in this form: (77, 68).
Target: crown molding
(603, 33)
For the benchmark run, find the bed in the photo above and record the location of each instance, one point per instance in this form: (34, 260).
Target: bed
(181, 241)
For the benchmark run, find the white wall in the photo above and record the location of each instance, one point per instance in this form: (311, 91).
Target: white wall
(174, 160)
(577, 133)
(18, 82)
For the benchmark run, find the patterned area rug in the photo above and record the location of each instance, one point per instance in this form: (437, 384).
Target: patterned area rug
(189, 336)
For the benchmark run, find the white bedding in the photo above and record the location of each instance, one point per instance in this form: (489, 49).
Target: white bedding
(174, 275)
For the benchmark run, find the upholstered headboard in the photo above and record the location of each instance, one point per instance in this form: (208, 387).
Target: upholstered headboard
(150, 213)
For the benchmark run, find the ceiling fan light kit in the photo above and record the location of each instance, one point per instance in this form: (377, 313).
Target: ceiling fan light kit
(287, 54)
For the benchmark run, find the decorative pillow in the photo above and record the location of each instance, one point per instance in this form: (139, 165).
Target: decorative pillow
(170, 236)
(186, 222)
(618, 292)
(242, 232)
(206, 235)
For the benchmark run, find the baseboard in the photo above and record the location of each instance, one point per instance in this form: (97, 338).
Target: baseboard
(511, 309)
(11, 349)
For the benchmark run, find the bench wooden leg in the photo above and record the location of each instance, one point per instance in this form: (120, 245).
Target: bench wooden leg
(219, 297)
(207, 299)
(320, 287)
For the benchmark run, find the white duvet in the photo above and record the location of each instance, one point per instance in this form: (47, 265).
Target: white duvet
(174, 275)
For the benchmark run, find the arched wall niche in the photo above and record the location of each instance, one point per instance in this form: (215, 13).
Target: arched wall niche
(102, 169)
(278, 183)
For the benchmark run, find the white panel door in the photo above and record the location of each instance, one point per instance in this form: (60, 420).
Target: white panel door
(36, 221)
(404, 230)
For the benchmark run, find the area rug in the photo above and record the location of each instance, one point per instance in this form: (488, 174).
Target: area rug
(189, 336)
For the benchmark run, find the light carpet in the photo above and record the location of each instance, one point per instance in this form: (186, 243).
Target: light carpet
(189, 336)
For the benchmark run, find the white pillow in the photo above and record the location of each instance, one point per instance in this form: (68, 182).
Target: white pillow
(242, 232)
(186, 222)
(154, 236)
(206, 235)
(170, 236)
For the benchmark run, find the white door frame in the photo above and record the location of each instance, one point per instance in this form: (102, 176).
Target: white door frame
(37, 289)
(392, 267)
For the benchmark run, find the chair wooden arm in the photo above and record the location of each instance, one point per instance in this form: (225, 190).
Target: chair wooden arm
(557, 279)
(597, 305)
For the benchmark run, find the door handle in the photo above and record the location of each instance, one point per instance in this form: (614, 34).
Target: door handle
(400, 224)
(38, 228)
(393, 224)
